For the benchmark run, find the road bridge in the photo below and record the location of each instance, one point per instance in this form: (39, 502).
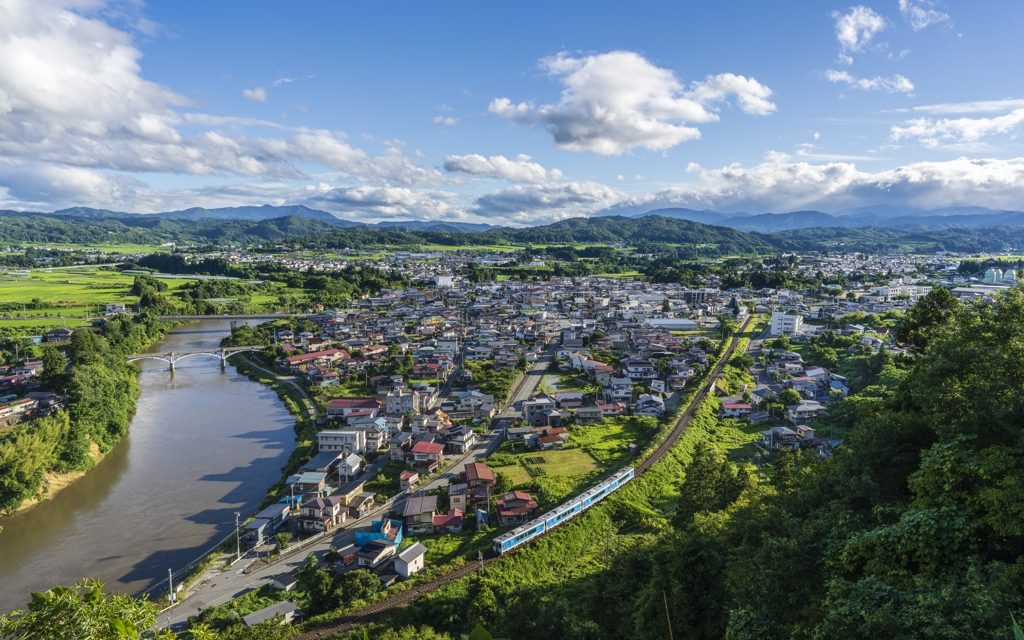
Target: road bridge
(173, 357)
(249, 316)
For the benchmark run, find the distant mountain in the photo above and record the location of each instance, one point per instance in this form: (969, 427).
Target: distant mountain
(264, 212)
(875, 216)
(434, 225)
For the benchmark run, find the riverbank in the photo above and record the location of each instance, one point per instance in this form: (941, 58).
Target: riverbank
(51, 481)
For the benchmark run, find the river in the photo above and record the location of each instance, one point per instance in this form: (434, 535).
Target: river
(203, 443)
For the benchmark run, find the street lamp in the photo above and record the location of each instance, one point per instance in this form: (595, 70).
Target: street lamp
(758, 456)
(238, 539)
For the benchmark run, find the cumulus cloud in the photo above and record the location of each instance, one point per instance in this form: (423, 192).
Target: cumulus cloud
(895, 84)
(517, 169)
(931, 132)
(856, 28)
(919, 17)
(449, 122)
(390, 202)
(546, 202)
(617, 101)
(259, 94)
(119, 121)
(781, 185)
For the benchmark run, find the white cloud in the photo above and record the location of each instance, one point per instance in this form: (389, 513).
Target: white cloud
(444, 107)
(781, 185)
(259, 94)
(119, 121)
(503, 107)
(392, 202)
(448, 122)
(517, 169)
(620, 178)
(639, 177)
(918, 17)
(900, 55)
(617, 101)
(981, 106)
(895, 84)
(856, 28)
(529, 204)
(931, 133)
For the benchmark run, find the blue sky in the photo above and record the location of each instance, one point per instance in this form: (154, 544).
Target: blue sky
(507, 114)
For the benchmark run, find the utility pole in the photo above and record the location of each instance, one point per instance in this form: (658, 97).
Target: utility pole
(170, 581)
(238, 539)
(667, 617)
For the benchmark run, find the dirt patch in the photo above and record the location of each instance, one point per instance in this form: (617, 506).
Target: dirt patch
(54, 482)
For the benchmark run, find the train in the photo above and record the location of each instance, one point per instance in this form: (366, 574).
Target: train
(562, 513)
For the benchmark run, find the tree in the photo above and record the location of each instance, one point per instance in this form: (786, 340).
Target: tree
(783, 472)
(83, 612)
(789, 397)
(925, 318)
(53, 367)
(502, 483)
(727, 325)
(358, 585)
(710, 484)
(851, 295)
(666, 306)
(283, 539)
(742, 360)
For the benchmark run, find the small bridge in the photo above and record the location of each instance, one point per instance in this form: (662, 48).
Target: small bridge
(174, 356)
(249, 316)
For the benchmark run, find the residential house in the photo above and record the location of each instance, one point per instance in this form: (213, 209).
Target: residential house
(650, 406)
(480, 479)
(399, 446)
(350, 467)
(515, 508)
(428, 455)
(341, 407)
(321, 514)
(408, 479)
(419, 513)
(589, 415)
(536, 410)
(451, 522)
(287, 610)
(734, 410)
(458, 495)
(374, 553)
(410, 560)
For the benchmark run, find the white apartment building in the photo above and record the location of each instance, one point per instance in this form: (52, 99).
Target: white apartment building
(786, 323)
(902, 287)
(347, 440)
(399, 402)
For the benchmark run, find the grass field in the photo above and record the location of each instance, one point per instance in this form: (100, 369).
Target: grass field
(517, 473)
(608, 441)
(570, 462)
(108, 248)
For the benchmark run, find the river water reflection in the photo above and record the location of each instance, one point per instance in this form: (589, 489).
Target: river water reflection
(204, 443)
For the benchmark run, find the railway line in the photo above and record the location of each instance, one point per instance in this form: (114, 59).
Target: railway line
(374, 611)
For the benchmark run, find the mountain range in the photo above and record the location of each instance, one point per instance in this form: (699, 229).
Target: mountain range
(265, 212)
(876, 216)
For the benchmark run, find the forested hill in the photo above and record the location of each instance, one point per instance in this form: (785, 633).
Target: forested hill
(650, 234)
(610, 229)
(19, 228)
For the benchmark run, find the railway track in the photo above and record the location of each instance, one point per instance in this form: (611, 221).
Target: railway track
(374, 611)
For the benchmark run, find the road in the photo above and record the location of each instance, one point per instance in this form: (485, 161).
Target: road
(219, 587)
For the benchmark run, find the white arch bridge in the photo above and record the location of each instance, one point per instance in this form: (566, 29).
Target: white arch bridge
(173, 357)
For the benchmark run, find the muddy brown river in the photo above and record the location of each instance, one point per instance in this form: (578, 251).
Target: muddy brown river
(203, 444)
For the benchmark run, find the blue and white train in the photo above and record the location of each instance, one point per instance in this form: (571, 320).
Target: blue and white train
(521, 535)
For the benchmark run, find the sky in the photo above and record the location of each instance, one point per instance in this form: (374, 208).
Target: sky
(510, 114)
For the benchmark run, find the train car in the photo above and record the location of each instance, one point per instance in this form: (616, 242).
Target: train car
(622, 477)
(595, 495)
(560, 514)
(518, 536)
